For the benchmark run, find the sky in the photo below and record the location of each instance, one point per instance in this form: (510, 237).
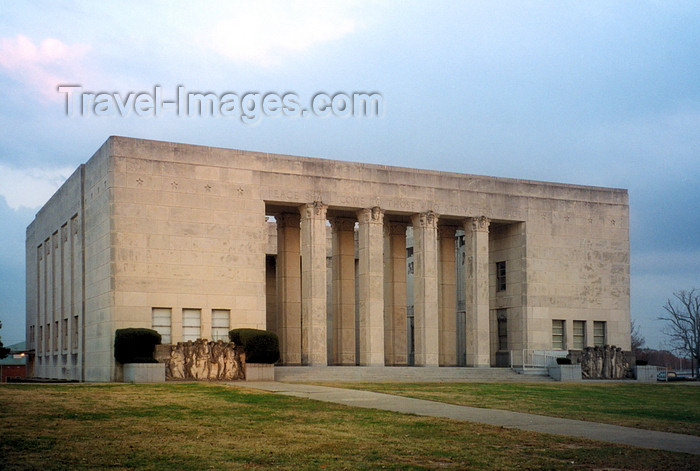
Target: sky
(595, 93)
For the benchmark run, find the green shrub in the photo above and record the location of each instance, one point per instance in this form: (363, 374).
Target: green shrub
(260, 346)
(135, 345)
(563, 361)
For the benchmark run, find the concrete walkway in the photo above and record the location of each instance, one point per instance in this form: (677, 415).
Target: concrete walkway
(535, 423)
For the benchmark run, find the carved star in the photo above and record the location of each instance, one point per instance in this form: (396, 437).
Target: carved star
(567, 218)
(612, 221)
(590, 220)
(207, 187)
(139, 181)
(240, 190)
(174, 185)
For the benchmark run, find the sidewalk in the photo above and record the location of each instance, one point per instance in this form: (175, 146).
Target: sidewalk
(535, 423)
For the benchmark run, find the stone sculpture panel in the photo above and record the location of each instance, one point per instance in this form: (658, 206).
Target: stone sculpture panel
(202, 360)
(608, 362)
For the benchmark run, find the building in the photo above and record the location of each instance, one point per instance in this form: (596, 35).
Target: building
(14, 365)
(365, 265)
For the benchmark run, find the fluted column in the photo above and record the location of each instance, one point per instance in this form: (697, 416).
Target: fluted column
(313, 284)
(289, 288)
(448, 296)
(476, 245)
(343, 291)
(371, 286)
(425, 288)
(395, 325)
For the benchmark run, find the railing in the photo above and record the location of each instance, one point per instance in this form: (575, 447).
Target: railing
(664, 370)
(535, 358)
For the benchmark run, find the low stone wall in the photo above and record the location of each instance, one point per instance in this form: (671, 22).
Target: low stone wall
(645, 374)
(565, 372)
(259, 372)
(144, 373)
(202, 360)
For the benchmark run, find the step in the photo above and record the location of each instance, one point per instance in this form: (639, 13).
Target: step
(400, 374)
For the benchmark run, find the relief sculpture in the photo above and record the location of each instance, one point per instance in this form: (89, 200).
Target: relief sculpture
(203, 360)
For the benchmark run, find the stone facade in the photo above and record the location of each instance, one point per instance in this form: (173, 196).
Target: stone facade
(364, 264)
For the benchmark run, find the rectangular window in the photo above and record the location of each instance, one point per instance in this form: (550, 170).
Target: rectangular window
(162, 322)
(502, 318)
(579, 335)
(40, 339)
(220, 324)
(191, 324)
(501, 276)
(557, 334)
(47, 338)
(598, 333)
(74, 343)
(31, 337)
(64, 334)
(55, 336)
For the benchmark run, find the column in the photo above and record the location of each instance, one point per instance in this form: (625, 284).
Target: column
(425, 288)
(447, 303)
(476, 245)
(313, 284)
(371, 286)
(289, 287)
(395, 347)
(343, 285)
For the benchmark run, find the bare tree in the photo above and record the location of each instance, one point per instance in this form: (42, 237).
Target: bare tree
(683, 328)
(637, 340)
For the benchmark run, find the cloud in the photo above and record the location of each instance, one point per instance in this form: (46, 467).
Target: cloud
(265, 33)
(30, 187)
(43, 66)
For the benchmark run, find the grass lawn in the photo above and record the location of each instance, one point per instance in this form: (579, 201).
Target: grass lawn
(663, 407)
(196, 426)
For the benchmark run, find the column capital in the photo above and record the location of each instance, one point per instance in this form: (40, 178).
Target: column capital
(315, 210)
(342, 224)
(477, 224)
(287, 220)
(428, 219)
(447, 232)
(373, 215)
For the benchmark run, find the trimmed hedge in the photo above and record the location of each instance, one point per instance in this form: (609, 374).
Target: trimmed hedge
(260, 346)
(563, 361)
(641, 362)
(135, 345)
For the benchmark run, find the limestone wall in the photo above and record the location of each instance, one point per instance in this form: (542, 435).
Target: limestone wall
(180, 227)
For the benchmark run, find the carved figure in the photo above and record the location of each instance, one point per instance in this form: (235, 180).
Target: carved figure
(176, 364)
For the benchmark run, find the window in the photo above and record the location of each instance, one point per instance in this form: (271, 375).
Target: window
(220, 324)
(502, 319)
(74, 343)
(598, 334)
(579, 335)
(558, 335)
(31, 337)
(55, 336)
(191, 324)
(64, 334)
(501, 276)
(162, 321)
